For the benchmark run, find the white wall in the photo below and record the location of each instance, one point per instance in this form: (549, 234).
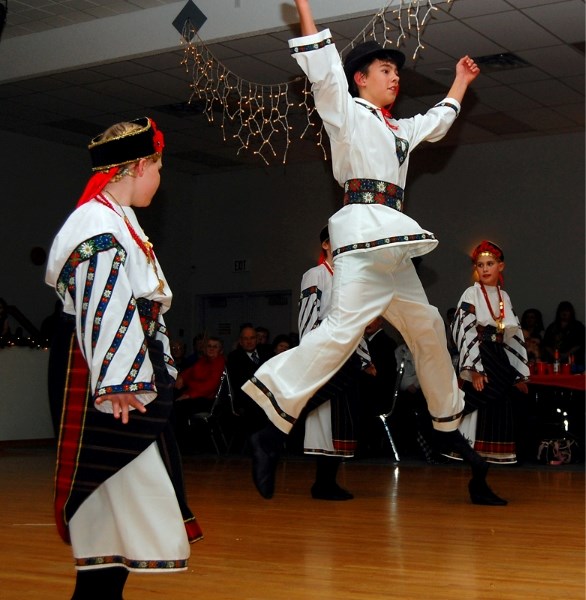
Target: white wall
(526, 195)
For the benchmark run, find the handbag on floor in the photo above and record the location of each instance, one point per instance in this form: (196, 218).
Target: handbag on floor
(556, 451)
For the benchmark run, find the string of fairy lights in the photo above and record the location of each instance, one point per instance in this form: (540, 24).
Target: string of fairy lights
(257, 115)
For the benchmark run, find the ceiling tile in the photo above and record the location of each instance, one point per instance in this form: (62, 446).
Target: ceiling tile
(504, 98)
(122, 69)
(558, 61)
(564, 19)
(551, 92)
(542, 118)
(543, 98)
(254, 44)
(464, 10)
(512, 30)
(457, 40)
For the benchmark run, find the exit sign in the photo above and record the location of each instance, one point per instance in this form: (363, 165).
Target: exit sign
(240, 266)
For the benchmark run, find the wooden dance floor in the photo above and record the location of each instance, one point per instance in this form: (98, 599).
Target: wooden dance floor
(411, 533)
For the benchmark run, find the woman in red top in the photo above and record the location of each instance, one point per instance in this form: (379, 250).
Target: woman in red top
(203, 378)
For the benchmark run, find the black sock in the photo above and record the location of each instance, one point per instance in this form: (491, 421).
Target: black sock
(100, 584)
(272, 437)
(454, 441)
(326, 470)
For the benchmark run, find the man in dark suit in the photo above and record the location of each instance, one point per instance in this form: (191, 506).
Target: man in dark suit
(242, 363)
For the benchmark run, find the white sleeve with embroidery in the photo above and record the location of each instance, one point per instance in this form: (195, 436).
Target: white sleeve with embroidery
(466, 337)
(109, 330)
(310, 302)
(514, 343)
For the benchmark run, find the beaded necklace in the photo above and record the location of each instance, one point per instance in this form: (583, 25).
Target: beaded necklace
(144, 245)
(500, 324)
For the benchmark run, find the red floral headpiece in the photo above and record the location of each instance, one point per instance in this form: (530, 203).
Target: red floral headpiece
(486, 247)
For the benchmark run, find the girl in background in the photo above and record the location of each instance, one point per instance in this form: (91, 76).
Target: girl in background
(492, 357)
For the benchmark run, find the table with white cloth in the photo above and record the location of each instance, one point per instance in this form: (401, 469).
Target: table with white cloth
(24, 397)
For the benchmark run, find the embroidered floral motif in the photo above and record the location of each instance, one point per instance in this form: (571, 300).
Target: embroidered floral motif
(140, 386)
(106, 295)
(401, 148)
(373, 191)
(87, 249)
(309, 47)
(131, 564)
(149, 317)
(117, 341)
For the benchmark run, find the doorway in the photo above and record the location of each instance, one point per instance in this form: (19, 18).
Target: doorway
(222, 315)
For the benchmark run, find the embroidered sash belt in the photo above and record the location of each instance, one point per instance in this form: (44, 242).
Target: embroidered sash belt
(149, 315)
(489, 334)
(373, 191)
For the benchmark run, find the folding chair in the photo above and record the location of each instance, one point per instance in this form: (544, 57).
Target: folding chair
(386, 416)
(212, 418)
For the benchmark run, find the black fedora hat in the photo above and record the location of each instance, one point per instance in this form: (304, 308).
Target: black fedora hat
(366, 52)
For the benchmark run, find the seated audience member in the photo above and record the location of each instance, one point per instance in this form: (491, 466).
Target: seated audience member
(533, 330)
(281, 343)
(197, 385)
(566, 335)
(178, 352)
(202, 380)
(198, 344)
(263, 337)
(242, 363)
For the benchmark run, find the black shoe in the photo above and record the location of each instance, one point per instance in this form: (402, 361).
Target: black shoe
(480, 493)
(454, 444)
(330, 492)
(265, 458)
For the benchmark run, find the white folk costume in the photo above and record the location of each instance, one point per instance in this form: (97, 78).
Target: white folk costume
(330, 427)
(119, 495)
(372, 243)
(496, 350)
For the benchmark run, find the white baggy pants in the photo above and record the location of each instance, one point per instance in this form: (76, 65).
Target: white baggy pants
(365, 285)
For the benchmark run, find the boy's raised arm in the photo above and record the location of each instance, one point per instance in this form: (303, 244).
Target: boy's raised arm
(466, 72)
(305, 17)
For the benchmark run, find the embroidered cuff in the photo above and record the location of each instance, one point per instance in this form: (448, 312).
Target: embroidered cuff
(311, 42)
(451, 103)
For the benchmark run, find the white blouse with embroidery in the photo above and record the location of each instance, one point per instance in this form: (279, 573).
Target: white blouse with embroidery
(99, 272)
(473, 311)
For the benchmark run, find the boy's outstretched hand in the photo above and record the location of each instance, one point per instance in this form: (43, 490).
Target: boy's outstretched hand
(467, 69)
